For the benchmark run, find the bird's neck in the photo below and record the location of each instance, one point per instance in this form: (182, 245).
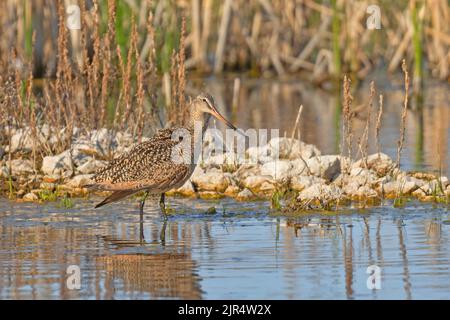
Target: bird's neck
(199, 119)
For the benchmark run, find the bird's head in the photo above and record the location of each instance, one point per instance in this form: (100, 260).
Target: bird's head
(204, 103)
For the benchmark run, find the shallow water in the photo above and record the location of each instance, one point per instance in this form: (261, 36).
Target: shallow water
(241, 251)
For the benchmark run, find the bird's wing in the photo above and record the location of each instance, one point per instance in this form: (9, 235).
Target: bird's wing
(147, 165)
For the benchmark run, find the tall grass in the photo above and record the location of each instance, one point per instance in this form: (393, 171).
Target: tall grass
(323, 38)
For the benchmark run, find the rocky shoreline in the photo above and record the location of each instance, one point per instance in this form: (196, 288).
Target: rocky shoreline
(284, 168)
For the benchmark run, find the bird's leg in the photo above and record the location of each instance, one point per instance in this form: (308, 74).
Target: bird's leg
(162, 205)
(141, 217)
(162, 235)
(141, 205)
(141, 230)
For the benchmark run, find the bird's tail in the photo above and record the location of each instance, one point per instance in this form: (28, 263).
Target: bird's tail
(116, 196)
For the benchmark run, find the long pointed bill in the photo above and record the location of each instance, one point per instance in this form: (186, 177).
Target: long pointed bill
(217, 115)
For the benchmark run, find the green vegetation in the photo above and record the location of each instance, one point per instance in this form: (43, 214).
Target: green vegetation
(48, 195)
(66, 202)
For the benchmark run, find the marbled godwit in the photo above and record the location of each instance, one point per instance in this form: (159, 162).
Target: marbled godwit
(149, 166)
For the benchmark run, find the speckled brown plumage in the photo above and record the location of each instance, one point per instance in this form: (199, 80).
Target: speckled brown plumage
(146, 166)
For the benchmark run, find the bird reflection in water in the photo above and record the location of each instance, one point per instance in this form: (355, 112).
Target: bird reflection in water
(149, 266)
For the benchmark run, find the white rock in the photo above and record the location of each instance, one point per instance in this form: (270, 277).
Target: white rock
(245, 195)
(187, 188)
(125, 142)
(80, 180)
(299, 183)
(259, 155)
(363, 176)
(442, 182)
(351, 188)
(288, 148)
(124, 139)
(22, 139)
(210, 181)
(365, 192)
(232, 190)
(228, 159)
(436, 186)
(410, 180)
(298, 167)
(91, 166)
(4, 172)
(104, 141)
(57, 164)
(82, 153)
(21, 167)
(392, 187)
(278, 169)
(247, 170)
(379, 162)
(385, 179)
(99, 143)
(327, 167)
(321, 191)
(419, 193)
(259, 183)
(30, 197)
(399, 187)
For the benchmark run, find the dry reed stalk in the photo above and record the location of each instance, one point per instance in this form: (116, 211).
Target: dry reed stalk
(107, 64)
(151, 67)
(105, 87)
(119, 100)
(347, 116)
(196, 31)
(177, 113)
(365, 146)
(94, 69)
(297, 121)
(31, 110)
(18, 112)
(63, 69)
(378, 124)
(83, 38)
(127, 86)
(439, 32)
(172, 115)
(140, 92)
(404, 112)
(223, 31)
(181, 74)
(205, 32)
(52, 117)
(236, 92)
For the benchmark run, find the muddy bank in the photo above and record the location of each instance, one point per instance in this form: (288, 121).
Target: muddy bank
(291, 173)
